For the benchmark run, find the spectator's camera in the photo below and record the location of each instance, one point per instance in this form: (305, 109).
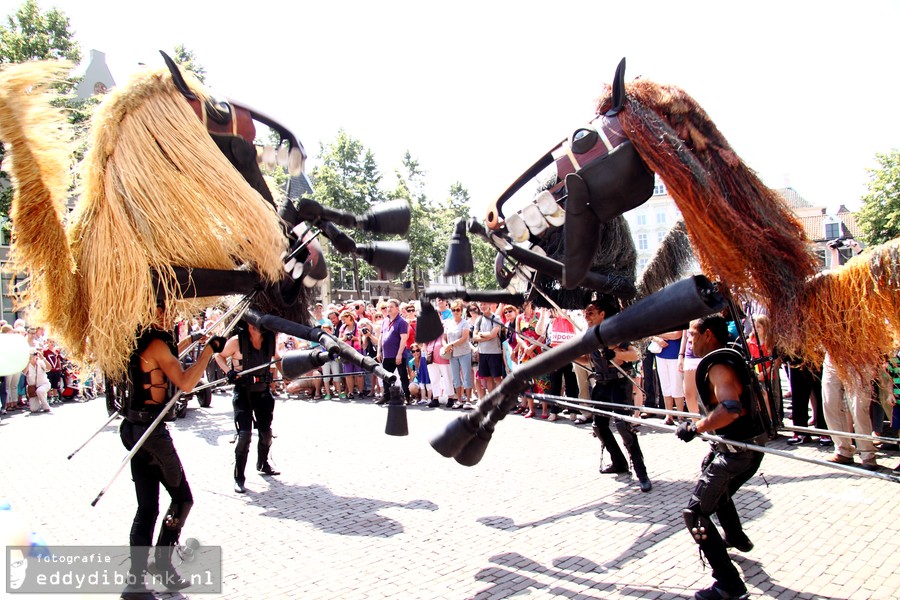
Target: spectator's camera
(836, 244)
(365, 331)
(348, 336)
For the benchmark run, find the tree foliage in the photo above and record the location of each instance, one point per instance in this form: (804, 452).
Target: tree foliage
(347, 178)
(411, 187)
(30, 34)
(484, 256)
(187, 60)
(879, 217)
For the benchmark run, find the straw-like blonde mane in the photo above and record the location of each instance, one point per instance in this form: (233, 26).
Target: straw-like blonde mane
(157, 193)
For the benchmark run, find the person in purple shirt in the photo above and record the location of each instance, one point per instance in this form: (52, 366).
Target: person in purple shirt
(394, 333)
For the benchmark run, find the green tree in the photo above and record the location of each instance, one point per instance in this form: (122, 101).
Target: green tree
(458, 206)
(30, 34)
(484, 256)
(879, 217)
(421, 237)
(444, 217)
(348, 178)
(187, 60)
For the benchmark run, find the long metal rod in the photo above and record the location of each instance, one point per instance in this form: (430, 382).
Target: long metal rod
(648, 410)
(240, 374)
(112, 417)
(244, 302)
(139, 443)
(743, 445)
(134, 450)
(302, 246)
(833, 433)
(678, 413)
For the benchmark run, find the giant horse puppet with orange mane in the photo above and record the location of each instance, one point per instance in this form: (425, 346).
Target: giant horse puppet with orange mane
(172, 206)
(742, 233)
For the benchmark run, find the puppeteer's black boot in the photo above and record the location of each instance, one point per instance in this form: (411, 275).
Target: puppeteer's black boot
(618, 462)
(629, 439)
(262, 453)
(163, 569)
(136, 590)
(137, 593)
(240, 463)
(241, 452)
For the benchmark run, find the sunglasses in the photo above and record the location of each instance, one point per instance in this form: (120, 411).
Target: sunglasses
(417, 352)
(410, 310)
(455, 310)
(509, 310)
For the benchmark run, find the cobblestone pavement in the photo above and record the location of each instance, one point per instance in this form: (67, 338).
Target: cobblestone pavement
(358, 514)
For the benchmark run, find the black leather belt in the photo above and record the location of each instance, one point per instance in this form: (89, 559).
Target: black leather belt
(144, 416)
(617, 377)
(759, 440)
(255, 387)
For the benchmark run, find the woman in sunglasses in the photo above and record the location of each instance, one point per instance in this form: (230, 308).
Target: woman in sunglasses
(458, 348)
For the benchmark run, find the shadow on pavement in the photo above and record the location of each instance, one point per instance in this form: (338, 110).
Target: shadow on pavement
(209, 426)
(571, 568)
(342, 515)
(508, 580)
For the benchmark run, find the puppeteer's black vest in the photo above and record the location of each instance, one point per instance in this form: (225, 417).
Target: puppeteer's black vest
(259, 380)
(749, 425)
(138, 393)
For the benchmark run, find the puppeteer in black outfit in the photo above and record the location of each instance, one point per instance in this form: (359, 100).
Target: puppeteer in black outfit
(731, 399)
(154, 373)
(611, 376)
(253, 401)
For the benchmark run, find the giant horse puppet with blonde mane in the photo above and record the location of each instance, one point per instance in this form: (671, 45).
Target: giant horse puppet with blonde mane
(172, 206)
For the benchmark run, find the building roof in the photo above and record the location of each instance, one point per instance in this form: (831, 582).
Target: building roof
(814, 226)
(793, 199)
(299, 186)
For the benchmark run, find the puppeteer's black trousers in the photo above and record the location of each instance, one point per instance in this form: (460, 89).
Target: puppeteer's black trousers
(724, 474)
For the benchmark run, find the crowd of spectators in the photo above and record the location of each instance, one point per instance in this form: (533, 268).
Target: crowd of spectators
(483, 341)
(480, 344)
(48, 377)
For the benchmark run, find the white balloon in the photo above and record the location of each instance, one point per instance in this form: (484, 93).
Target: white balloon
(14, 352)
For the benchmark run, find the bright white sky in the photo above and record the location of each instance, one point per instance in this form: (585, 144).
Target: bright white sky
(806, 92)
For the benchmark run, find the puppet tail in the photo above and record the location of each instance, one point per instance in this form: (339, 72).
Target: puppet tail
(671, 263)
(852, 312)
(37, 158)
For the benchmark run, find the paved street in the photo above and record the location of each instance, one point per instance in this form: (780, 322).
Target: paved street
(358, 514)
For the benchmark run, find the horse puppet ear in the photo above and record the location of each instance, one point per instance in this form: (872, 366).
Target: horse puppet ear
(177, 78)
(618, 91)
